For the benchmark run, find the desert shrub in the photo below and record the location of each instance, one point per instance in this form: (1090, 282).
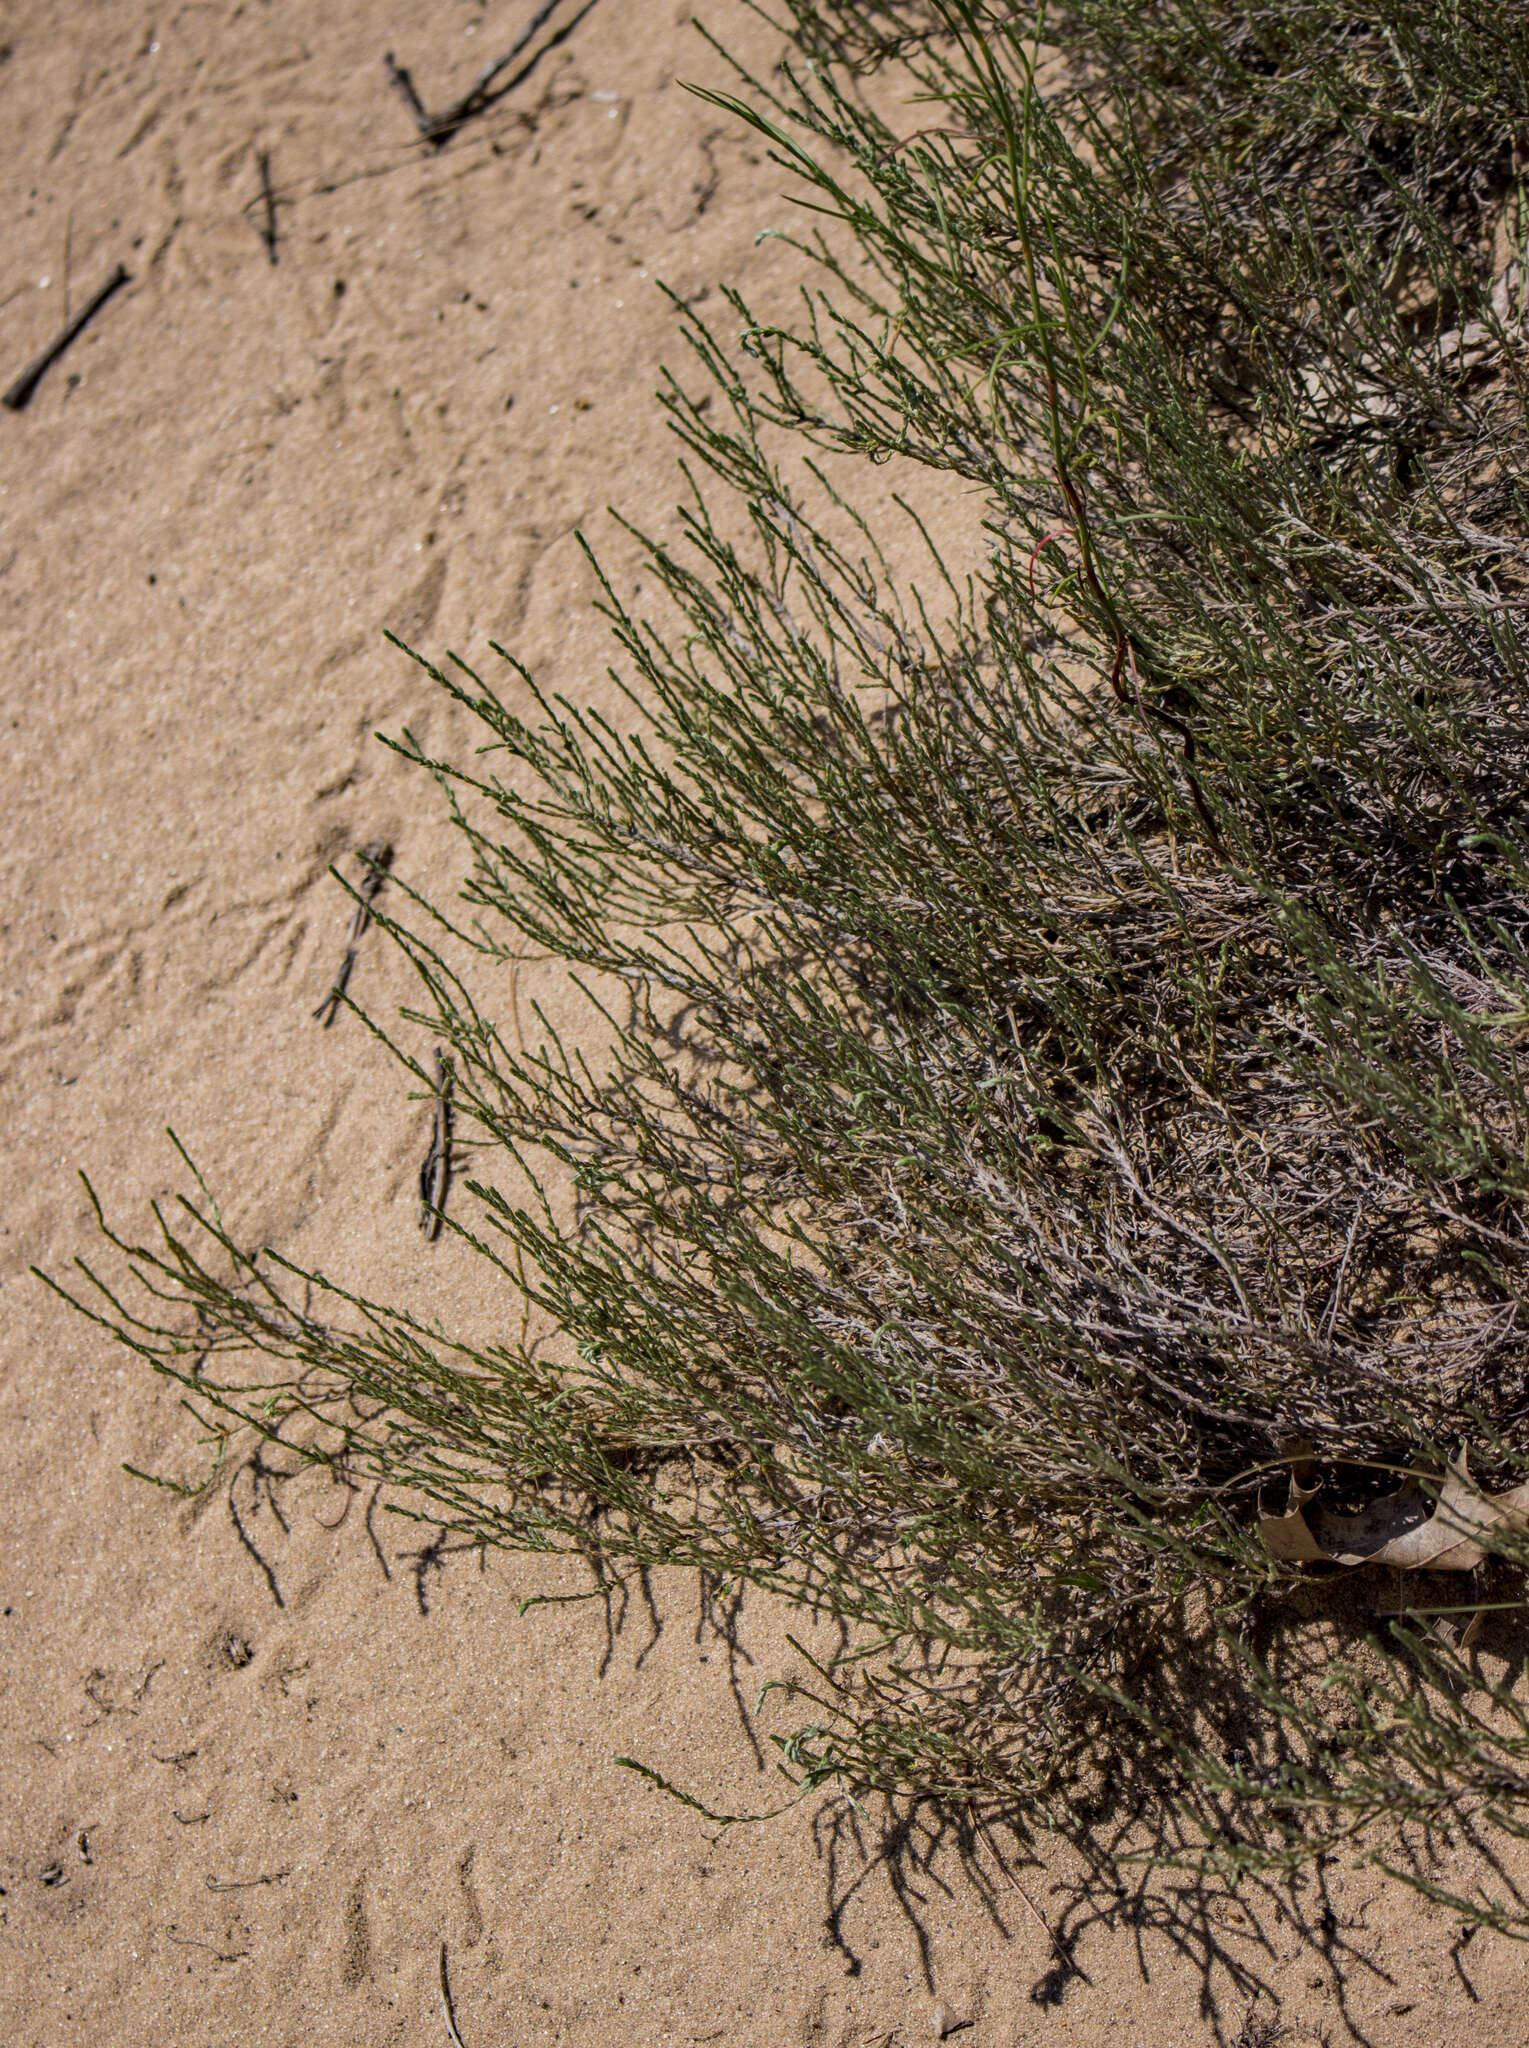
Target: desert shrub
(1067, 1083)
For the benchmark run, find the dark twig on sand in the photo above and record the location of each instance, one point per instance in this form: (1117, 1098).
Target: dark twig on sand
(375, 858)
(435, 1174)
(21, 391)
(270, 234)
(404, 83)
(436, 128)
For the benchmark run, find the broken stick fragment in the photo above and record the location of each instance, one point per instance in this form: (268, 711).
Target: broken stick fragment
(270, 233)
(439, 128)
(20, 393)
(435, 1174)
(448, 2004)
(375, 858)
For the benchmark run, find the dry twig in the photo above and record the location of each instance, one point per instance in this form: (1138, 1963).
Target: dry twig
(20, 393)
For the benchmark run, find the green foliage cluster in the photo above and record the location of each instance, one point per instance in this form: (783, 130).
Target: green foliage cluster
(1068, 1069)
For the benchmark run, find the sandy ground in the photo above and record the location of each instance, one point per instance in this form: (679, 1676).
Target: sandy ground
(230, 1820)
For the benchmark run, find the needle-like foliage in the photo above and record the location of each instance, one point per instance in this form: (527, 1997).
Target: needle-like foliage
(1069, 1074)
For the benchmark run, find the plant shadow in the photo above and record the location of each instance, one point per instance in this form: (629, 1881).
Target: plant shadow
(1149, 1853)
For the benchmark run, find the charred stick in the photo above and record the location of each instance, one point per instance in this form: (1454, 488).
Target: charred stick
(436, 128)
(271, 236)
(500, 65)
(21, 391)
(404, 84)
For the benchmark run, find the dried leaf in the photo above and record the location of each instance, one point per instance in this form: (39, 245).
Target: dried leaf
(1286, 1536)
(1411, 1529)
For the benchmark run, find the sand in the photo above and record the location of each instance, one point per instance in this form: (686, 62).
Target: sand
(230, 1820)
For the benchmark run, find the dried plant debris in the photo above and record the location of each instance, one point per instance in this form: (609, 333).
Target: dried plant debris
(1429, 1524)
(435, 1172)
(375, 858)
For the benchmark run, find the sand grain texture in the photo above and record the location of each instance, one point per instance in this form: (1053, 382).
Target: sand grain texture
(224, 1818)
